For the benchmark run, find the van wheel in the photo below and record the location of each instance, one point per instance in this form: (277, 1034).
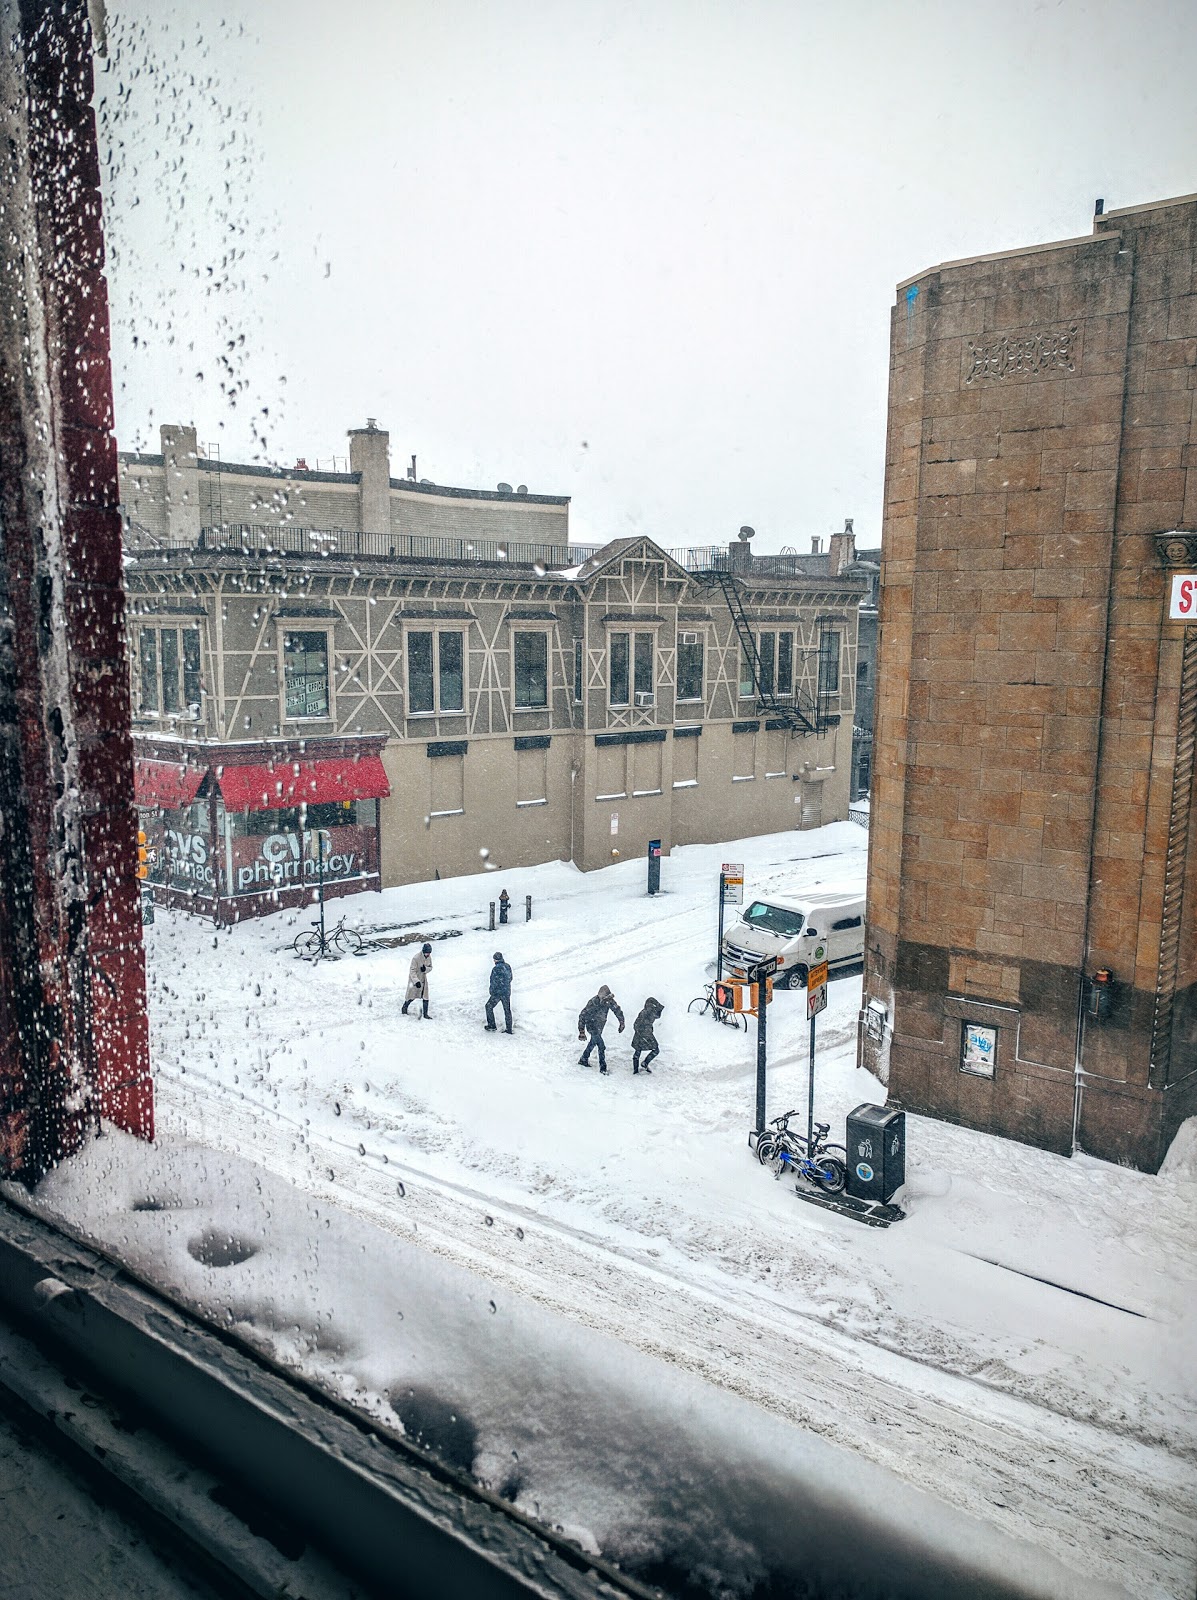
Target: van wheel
(797, 978)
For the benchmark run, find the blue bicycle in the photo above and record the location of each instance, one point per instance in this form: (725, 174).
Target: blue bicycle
(822, 1164)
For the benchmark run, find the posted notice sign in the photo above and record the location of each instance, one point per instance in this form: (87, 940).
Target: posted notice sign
(1182, 600)
(816, 990)
(733, 883)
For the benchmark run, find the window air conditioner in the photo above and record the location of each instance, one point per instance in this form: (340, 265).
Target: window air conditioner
(643, 699)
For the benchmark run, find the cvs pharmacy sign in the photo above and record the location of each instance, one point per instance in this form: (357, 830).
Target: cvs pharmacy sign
(1183, 605)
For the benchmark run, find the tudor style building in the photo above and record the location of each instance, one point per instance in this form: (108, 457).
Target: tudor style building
(438, 713)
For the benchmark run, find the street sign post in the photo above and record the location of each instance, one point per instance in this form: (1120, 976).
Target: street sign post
(762, 974)
(731, 893)
(654, 866)
(816, 1001)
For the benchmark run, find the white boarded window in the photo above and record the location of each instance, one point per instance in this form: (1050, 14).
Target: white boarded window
(531, 770)
(743, 756)
(448, 785)
(646, 768)
(612, 781)
(685, 763)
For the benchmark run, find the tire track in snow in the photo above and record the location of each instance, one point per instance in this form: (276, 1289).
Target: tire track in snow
(1102, 1503)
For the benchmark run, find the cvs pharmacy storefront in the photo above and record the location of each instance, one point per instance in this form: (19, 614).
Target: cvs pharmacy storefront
(233, 829)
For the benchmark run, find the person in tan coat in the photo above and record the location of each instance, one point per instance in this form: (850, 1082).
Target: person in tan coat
(417, 978)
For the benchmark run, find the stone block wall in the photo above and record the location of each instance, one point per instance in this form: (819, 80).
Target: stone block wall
(1040, 439)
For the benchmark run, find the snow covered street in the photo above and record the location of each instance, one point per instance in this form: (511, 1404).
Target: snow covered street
(1019, 1347)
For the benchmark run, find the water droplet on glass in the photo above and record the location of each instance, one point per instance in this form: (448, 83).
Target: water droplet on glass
(400, 1190)
(490, 1222)
(493, 1307)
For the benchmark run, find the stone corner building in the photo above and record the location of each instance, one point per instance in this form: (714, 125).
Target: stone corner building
(1037, 703)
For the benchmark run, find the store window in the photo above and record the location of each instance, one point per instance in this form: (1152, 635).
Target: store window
(747, 683)
(168, 678)
(435, 671)
(305, 675)
(689, 666)
(531, 671)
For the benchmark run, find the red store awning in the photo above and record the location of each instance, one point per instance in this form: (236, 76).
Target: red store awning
(289, 783)
(170, 784)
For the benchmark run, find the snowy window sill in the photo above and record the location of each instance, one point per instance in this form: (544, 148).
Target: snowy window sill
(744, 777)
(458, 811)
(622, 795)
(687, 783)
(543, 801)
(775, 774)
(639, 793)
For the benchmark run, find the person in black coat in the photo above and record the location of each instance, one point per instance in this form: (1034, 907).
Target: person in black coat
(500, 994)
(643, 1037)
(592, 1020)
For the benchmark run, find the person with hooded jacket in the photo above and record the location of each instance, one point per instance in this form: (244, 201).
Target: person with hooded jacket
(417, 978)
(500, 994)
(592, 1020)
(643, 1037)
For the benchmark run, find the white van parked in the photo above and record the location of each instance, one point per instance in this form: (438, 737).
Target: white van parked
(801, 928)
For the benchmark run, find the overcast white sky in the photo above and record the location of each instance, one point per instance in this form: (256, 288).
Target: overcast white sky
(640, 254)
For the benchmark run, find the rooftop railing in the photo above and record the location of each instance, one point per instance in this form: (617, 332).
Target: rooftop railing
(259, 539)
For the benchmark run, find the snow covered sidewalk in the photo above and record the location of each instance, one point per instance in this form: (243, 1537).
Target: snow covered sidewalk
(1020, 1345)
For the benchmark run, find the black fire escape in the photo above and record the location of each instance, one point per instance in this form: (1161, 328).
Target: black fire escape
(797, 711)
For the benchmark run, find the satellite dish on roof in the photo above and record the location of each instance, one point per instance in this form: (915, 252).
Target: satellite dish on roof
(521, 488)
(747, 533)
(503, 488)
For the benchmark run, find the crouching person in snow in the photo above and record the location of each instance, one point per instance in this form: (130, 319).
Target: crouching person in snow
(592, 1020)
(500, 993)
(643, 1037)
(417, 978)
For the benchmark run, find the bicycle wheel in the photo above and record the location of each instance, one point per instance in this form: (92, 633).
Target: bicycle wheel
(766, 1149)
(351, 940)
(307, 945)
(737, 1020)
(701, 1002)
(829, 1174)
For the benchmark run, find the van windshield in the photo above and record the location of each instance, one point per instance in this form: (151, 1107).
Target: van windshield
(776, 919)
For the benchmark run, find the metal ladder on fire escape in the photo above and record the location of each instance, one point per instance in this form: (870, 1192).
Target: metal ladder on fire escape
(1174, 863)
(798, 711)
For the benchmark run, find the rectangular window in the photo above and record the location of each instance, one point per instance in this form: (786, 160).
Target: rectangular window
(785, 663)
(577, 669)
(169, 648)
(452, 676)
(743, 757)
(531, 670)
(644, 665)
(829, 663)
(305, 674)
(617, 652)
(747, 687)
(169, 674)
(446, 776)
(191, 670)
(685, 763)
(419, 674)
(150, 700)
(689, 666)
(768, 649)
(435, 671)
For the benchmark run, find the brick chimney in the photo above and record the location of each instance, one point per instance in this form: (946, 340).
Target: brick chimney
(370, 454)
(842, 548)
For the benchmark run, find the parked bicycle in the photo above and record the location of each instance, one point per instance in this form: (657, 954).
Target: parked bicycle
(706, 1003)
(825, 1165)
(314, 944)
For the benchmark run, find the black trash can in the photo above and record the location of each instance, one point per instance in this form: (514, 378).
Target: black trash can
(876, 1145)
